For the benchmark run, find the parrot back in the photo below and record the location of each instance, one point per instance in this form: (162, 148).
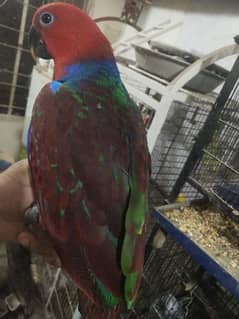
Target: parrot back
(90, 169)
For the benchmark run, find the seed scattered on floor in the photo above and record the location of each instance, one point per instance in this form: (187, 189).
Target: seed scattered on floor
(215, 233)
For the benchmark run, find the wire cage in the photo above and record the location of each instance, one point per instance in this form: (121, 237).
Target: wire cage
(196, 153)
(212, 165)
(175, 287)
(58, 292)
(175, 142)
(217, 170)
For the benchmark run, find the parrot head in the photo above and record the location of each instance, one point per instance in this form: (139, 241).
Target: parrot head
(63, 32)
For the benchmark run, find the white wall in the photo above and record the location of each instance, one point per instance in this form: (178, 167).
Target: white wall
(10, 134)
(102, 8)
(38, 79)
(207, 25)
(165, 10)
(206, 29)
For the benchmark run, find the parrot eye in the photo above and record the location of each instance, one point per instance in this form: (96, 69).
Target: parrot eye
(46, 19)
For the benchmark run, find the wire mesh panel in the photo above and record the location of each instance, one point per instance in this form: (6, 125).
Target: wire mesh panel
(175, 287)
(212, 166)
(58, 292)
(218, 169)
(175, 142)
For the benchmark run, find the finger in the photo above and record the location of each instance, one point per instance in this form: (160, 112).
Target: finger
(42, 247)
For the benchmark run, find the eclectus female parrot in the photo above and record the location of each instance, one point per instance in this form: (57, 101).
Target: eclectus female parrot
(89, 161)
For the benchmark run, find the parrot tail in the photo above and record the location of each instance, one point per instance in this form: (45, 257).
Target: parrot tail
(90, 310)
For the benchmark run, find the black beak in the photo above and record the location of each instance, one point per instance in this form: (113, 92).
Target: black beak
(37, 46)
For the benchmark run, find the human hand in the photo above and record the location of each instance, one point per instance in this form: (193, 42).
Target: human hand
(15, 197)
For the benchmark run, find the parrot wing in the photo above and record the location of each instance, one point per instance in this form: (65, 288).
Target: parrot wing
(90, 169)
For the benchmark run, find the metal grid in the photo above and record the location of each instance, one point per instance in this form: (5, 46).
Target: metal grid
(212, 164)
(175, 142)
(15, 60)
(59, 294)
(218, 169)
(175, 287)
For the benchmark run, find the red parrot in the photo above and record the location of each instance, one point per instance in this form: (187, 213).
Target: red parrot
(89, 161)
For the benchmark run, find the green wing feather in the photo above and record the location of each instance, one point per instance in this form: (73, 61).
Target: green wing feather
(134, 226)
